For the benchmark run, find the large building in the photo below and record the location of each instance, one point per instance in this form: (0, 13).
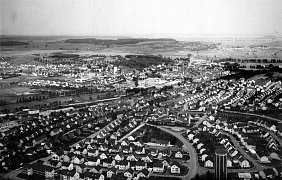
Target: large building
(221, 164)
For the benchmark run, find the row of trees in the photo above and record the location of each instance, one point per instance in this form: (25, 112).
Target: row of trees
(251, 60)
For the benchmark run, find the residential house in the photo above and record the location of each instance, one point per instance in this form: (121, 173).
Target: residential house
(108, 163)
(111, 172)
(132, 157)
(140, 165)
(67, 165)
(243, 162)
(158, 166)
(144, 173)
(178, 155)
(122, 165)
(129, 173)
(119, 157)
(69, 175)
(93, 176)
(229, 163)
(147, 159)
(175, 168)
(209, 162)
(92, 161)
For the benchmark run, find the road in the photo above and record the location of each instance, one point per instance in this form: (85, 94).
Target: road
(258, 167)
(256, 115)
(193, 164)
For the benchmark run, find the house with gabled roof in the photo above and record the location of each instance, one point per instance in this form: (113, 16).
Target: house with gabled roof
(139, 150)
(103, 148)
(80, 168)
(124, 143)
(158, 166)
(103, 156)
(55, 164)
(178, 155)
(200, 145)
(229, 163)
(131, 138)
(111, 172)
(144, 173)
(92, 152)
(119, 176)
(147, 158)
(243, 162)
(209, 162)
(92, 161)
(196, 140)
(101, 140)
(93, 176)
(203, 157)
(88, 141)
(96, 169)
(119, 157)
(202, 150)
(132, 157)
(67, 174)
(78, 159)
(114, 148)
(175, 167)
(126, 149)
(122, 165)
(129, 173)
(108, 163)
(67, 165)
(140, 165)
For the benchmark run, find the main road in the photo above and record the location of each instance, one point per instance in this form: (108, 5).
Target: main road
(251, 114)
(193, 166)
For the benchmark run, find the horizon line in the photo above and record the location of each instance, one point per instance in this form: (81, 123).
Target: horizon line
(159, 35)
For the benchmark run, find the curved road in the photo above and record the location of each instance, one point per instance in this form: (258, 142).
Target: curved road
(193, 164)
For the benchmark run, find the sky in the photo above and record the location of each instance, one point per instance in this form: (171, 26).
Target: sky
(140, 17)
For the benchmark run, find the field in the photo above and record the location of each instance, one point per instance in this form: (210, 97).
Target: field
(235, 48)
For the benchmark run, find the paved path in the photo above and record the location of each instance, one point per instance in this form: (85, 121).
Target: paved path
(193, 168)
(201, 120)
(127, 135)
(91, 136)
